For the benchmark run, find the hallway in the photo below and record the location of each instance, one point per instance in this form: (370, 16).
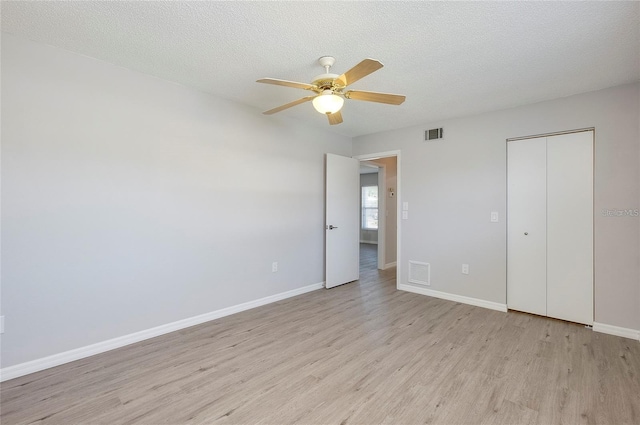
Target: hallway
(369, 265)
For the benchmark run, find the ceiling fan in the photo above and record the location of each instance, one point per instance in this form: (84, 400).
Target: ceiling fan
(329, 89)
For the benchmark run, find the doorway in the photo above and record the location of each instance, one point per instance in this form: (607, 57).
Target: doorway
(371, 216)
(342, 221)
(380, 229)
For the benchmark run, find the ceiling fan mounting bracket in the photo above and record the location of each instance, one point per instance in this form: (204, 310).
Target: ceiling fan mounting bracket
(327, 61)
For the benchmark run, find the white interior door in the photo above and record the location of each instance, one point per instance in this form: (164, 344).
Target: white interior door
(342, 226)
(570, 227)
(527, 226)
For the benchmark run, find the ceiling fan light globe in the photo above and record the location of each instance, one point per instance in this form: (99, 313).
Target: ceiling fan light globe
(328, 103)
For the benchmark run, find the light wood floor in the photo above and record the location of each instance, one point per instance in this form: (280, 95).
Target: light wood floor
(359, 353)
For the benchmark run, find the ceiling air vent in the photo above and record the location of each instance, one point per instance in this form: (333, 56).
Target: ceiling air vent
(433, 134)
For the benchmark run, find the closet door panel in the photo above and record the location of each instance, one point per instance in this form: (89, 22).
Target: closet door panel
(570, 227)
(526, 226)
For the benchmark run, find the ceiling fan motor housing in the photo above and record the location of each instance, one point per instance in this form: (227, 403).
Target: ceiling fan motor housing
(327, 80)
(324, 81)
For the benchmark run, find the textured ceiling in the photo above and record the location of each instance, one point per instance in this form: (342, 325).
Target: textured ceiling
(449, 58)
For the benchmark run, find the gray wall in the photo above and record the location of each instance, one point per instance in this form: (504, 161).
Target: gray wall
(129, 202)
(453, 184)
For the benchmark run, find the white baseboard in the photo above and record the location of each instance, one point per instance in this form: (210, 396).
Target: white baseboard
(100, 347)
(453, 297)
(616, 330)
(389, 265)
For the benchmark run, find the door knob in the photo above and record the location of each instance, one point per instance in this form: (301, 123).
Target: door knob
(331, 227)
(526, 233)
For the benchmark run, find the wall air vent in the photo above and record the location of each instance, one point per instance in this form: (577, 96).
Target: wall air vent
(433, 134)
(420, 273)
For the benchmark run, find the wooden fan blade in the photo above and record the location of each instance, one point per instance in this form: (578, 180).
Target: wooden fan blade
(359, 71)
(286, 83)
(371, 96)
(335, 118)
(288, 105)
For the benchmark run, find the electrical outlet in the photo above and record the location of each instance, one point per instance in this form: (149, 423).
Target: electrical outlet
(274, 266)
(465, 269)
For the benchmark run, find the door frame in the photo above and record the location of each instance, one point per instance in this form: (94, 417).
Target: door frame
(397, 155)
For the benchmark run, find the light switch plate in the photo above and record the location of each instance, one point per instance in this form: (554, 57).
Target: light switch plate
(1, 324)
(405, 215)
(405, 206)
(494, 216)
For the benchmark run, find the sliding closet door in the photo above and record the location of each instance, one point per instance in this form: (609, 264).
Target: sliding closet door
(570, 227)
(527, 226)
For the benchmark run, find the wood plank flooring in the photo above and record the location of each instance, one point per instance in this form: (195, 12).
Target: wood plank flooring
(360, 353)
